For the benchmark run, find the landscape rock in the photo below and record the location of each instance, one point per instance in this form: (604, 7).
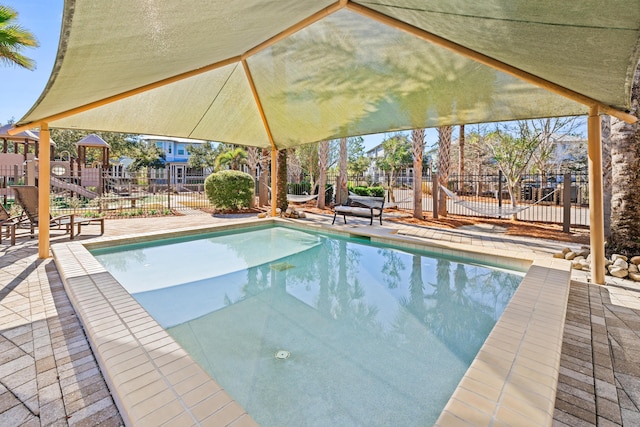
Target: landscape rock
(263, 215)
(576, 265)
(559, 255)
(633, 268)
(618, 272)
(635, 260)
(615, 257)
(635, 277)
(565, 251)
(570, 255)
(622, 263)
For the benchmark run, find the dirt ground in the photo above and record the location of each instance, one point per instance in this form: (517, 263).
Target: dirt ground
(514, 228)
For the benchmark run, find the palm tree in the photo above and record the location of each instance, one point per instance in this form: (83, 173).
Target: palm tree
(342, 191)
(281, 192)
(323, 160)
(461, 159)
(263, 182)
(417, 148)
(253, 160)
(13, 38)
(625, 164)
(606, 173)
(232, 158)
(444, 164)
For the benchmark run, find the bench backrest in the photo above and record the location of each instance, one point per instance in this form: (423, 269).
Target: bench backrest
(366, 202)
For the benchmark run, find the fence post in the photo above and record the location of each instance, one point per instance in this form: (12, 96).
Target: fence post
(500, 189)
(100, 189)
(168, 169)
(435, 193)
(566, 203)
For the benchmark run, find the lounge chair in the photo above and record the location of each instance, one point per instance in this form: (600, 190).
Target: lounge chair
(27, 197)
(9, 223)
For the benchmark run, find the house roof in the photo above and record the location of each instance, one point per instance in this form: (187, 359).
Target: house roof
(285, 73)
(171, 138)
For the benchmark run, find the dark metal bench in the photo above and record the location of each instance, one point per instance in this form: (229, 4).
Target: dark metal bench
(360, 206)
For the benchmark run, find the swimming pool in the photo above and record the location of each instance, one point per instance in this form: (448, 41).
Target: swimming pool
(307, 329)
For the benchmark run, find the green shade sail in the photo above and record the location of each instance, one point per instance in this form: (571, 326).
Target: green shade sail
(339, 73)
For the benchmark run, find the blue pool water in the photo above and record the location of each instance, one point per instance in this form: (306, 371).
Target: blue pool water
(365, 335)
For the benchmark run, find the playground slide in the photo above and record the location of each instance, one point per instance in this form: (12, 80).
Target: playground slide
(58, 183)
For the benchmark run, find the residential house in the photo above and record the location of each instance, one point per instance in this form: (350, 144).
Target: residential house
(177, 157)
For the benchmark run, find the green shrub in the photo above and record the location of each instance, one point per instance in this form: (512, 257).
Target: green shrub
(360, 191)
(229, 189)
(368, 191)
(376, 191)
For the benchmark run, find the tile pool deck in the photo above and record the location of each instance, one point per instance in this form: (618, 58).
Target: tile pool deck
(49, 373)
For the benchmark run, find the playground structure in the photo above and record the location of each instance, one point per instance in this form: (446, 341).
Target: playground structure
(72, 177)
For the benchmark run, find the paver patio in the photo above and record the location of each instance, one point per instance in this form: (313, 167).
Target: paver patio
(49, 376)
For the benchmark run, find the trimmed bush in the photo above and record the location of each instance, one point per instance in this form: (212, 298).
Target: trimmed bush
(229, 189)
(360, 191)
(368, 191)
(376, 191)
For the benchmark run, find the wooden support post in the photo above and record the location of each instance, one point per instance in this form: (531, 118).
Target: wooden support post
(274, 180)
(44, 184)
(596, 210)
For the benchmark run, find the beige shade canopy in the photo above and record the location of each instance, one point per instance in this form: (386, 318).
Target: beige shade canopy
(280, 73)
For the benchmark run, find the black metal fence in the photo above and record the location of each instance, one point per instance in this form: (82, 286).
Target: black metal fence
(174, 189)
(542, 199)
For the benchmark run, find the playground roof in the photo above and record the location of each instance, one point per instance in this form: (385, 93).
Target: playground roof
(287, 72)
(20, 137)
(28, 136)
(92, 140)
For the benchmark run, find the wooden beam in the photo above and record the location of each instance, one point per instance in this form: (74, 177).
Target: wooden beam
(274, 181)
(44, 184)
(267, 129)
(596, 209)
(490, 62)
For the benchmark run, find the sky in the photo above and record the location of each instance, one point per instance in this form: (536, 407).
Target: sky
(21, 88)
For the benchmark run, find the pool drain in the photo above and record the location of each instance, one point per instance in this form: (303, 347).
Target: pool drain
(282, 354)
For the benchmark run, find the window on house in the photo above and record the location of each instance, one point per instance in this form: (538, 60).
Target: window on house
(180, 150)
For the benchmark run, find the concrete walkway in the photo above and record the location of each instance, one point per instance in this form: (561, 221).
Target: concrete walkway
(48, 375)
